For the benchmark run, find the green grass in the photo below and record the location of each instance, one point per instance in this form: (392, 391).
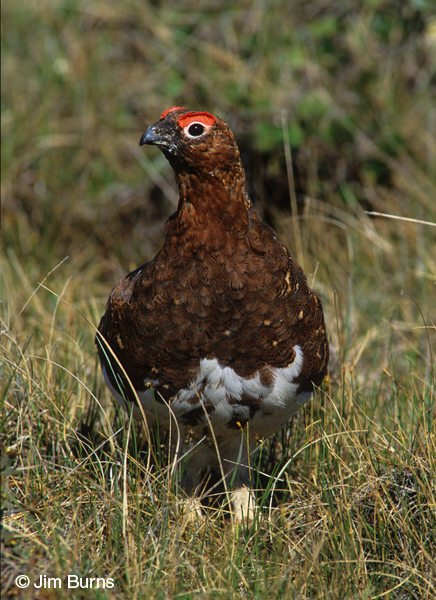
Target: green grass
(347, 495)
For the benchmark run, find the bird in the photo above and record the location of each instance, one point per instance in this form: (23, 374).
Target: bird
(218, 339)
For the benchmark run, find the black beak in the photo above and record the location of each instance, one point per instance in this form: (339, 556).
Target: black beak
(150, 137)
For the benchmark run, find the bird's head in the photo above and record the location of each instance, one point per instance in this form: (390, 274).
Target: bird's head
(194, 142)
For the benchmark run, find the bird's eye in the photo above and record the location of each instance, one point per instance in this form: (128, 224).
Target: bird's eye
(196, 129)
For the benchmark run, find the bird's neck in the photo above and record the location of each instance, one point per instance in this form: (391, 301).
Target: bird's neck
(212, 206)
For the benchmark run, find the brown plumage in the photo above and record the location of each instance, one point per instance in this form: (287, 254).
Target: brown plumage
(221, 324)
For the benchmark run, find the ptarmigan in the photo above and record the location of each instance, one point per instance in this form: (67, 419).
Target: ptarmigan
(220, 331)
